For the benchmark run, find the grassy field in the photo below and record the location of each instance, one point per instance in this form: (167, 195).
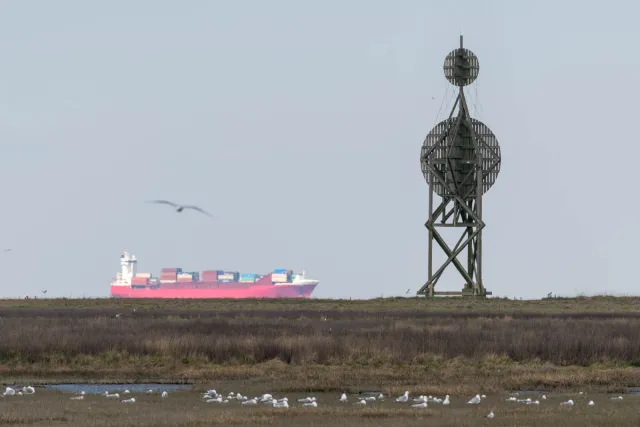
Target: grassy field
(323, 347)
(580, 305)
(328, 345)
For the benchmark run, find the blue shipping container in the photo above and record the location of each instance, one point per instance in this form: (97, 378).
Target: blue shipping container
(249, 275)
(280, 271)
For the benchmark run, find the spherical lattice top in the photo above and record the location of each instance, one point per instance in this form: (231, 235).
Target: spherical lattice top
(455, 158)
(461, 67)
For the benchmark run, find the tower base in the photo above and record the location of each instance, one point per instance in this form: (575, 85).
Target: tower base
(463, 293)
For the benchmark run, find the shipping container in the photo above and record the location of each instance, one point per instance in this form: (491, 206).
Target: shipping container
(139, 281)
(168, 275)
(185, 275)
(279, 278)
(210, 273)
(147, 275)
(185, 280)
(167, 281)
(280, 271)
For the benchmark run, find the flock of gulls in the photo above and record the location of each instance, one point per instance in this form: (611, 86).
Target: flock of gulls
(212, 396)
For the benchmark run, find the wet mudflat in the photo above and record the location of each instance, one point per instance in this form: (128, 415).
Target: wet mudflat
(187, 408)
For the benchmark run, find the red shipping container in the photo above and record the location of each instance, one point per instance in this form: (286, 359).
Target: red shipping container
(139, 281)
(184, 280)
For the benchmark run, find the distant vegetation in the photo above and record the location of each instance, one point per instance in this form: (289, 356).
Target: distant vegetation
(328, 344)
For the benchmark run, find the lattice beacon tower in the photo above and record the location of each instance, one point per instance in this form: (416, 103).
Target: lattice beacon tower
(460, 160)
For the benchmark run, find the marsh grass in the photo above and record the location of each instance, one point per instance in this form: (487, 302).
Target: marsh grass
(323, 348)
(325, 345)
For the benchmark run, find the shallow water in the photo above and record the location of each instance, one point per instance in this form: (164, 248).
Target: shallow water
(116, 388)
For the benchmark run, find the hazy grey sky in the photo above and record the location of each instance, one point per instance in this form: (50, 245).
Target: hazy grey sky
(299, 125)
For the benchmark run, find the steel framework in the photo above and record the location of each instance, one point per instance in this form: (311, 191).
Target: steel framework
(460, 160)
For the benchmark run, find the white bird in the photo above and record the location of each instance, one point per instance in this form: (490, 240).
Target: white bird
(343, 398)
(9, 392)
(314, 404)
(125, 392)
(361, 402)
(307, 399)
(28, 390)
(381, 396)
(568, 402)
(180, 208)
(591, 403)
(114, 395)
(403, 398)
(164, 394)
(544, 397)
(491, 415)
(283, 404)
(132, 400)
(616, 398)
(419, 405)
(253, 401)
(446, 400)
(77, 397)
(475, 400)
(214, 400)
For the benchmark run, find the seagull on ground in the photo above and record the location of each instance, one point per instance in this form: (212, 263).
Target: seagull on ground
(475, 400)
(403, 398)
(491, 415)
(180, 208)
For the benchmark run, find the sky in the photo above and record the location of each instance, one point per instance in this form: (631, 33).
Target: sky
(299, 124)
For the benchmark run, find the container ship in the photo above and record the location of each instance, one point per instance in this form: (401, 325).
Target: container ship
(175, 283)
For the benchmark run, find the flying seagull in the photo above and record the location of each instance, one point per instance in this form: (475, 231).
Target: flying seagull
(7, 250)
(180, 208)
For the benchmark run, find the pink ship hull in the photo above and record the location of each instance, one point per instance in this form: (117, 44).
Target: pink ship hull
(286, 291)
(262, 288)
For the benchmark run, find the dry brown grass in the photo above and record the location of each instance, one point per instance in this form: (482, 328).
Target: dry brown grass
(311, 307)
(394, 349)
